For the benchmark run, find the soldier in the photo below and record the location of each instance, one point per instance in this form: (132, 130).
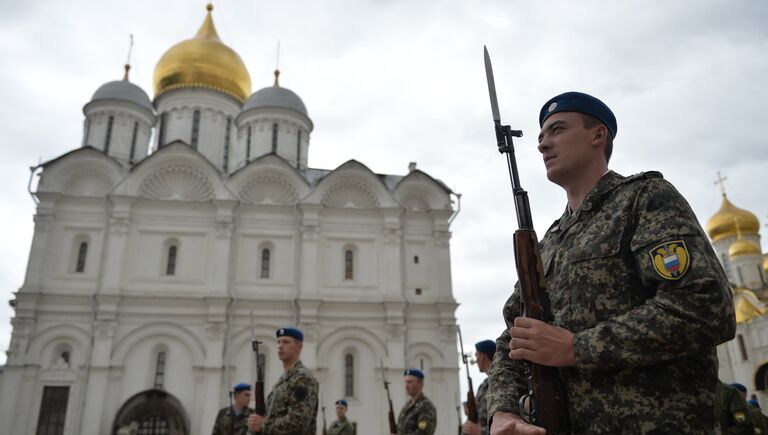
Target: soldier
(484, 352)
(732, 410)
(418, 416)
(341, 426)
(233, 420)
(638, 298)
(292, 404)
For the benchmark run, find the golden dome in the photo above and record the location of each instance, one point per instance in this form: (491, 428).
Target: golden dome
(723, 223)
(743, 247)
(765, 264)
(203, 62)
(747, 305)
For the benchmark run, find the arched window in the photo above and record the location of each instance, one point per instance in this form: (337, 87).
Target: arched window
(108, 138)
(170, 266)
(248, 145)
(742, 348)
(160, 370)
(154, 425)
(133, 141)
(349, 375)
(163, 126)
(225, 164)
(265, 261)
(53, 410)
(298, 147)
(82, 252)
(274, 137)
(195, 128)
(349, 264)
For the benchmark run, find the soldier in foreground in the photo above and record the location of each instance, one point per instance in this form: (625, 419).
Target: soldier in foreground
(484, 352)
(233, 420)
(341, 426)
(292, 404)
(418, 416)
(637, 297)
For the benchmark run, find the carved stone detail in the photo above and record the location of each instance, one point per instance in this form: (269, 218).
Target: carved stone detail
(177, 182)
(87, 182)
(105, 329)
(269, 189)
(350, 194)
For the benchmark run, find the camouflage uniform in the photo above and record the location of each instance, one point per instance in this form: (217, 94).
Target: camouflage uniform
(341, 427)
(759, 420)
(226, 419)
(645, 333)
(733, 411)
(417, 418)
(482, 406)
(292, 404)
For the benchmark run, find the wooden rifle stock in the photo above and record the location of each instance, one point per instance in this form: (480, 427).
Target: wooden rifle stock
(471, 403)
(545, 387)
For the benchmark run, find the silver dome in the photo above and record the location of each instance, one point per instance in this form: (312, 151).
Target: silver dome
(275, 96)
(125, 91)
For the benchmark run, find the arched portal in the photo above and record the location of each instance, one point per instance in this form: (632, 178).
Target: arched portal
(761, 378)
(151, 412)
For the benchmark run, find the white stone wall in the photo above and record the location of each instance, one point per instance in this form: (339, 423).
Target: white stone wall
(116, 315)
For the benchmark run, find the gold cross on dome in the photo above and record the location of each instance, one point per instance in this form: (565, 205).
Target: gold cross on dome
(721, 182)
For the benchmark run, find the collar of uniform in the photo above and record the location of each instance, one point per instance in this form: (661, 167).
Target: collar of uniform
(292, 371)
(606, 184)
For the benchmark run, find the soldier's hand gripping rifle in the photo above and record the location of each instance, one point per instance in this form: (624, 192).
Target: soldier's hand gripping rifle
(471, 404)
(392, 421)
(544, 405)
(259, 405)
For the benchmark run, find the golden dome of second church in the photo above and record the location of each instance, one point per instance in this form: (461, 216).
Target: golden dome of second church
(723, 223)
(203, 62)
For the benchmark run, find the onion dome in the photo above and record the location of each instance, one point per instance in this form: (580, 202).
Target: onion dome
(723, 223)
(203, 62)
(743, 247)
(747, 305)
(123, 90)
(276, 96)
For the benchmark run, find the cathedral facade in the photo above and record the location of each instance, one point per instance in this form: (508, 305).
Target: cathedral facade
(735, 236)
(189, 225)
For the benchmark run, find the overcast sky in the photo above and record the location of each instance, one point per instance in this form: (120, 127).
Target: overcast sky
(387, 82)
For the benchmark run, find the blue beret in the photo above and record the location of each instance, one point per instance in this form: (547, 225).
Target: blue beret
(487, 347)
(739, 387)
(414, 372)
(341, 402)
(241, 386)
(582, 103)
(290, 332)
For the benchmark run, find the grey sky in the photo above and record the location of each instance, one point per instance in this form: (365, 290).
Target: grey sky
(387, 82)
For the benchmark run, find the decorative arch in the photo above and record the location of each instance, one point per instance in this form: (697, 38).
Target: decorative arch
(420, 192)
(269, 180)
(426, 348)
(361, 336)
(352, 185)
(85, 171)
(151, 407)
(170, 330)
(761, 378)
(53, 335)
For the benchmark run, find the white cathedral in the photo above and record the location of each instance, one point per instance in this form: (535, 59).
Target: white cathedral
(151, 271)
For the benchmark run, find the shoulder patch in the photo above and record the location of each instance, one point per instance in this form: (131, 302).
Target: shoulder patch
(670, 259)
(739, 416)
(423, 424)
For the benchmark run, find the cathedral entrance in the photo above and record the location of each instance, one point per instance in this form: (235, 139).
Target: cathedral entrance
(151, 412)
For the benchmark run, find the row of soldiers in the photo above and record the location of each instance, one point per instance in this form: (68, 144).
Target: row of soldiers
(291, 406)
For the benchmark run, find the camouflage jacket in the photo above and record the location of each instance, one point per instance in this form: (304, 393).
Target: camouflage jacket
(341, 427)
(292, 404)
(417, 418)
(634, 277)
(733, 413)
(227, 420)
(482, 406)
(759, 420)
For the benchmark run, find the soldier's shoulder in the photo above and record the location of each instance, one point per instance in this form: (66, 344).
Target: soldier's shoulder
(428, 403)
(223, 411)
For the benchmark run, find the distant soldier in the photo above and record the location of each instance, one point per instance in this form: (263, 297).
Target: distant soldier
(292, 404)
(418, 416)
(233, 420)
(484, 352)
(341, 426)
(732, 410)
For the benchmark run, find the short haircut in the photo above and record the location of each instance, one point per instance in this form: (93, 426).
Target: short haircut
(590, 122)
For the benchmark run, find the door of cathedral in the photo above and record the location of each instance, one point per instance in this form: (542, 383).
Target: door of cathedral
(151, 412)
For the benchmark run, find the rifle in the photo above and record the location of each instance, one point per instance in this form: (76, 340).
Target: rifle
(259, 405)
(545, 403)
(471, 404)
(458, 413)
(392, 421)
(325, 425)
